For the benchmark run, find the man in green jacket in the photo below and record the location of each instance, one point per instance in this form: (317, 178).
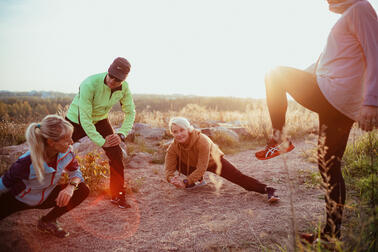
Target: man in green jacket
(88, 113)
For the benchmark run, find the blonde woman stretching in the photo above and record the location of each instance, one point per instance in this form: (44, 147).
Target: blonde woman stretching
(32, 181)
(193, 153)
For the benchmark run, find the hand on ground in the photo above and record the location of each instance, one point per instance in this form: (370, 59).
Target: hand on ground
(177, 182)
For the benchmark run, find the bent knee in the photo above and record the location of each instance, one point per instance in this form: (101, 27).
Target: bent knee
(84, 190)
(274, 74)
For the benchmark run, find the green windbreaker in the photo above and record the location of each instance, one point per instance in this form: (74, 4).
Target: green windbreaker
(93, 103)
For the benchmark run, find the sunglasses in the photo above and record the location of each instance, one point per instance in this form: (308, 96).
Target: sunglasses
(114, 78)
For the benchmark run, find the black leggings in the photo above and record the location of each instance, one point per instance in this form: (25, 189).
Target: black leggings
(233, 175)
(333, 125)
(11, 205)
(113, 153)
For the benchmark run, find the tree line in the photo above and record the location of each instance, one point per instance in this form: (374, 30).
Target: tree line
(29, 106)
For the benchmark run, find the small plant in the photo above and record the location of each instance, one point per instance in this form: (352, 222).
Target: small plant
(310, 179)
(94, 169)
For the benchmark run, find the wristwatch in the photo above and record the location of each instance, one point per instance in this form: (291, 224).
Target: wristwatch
(186, 183)
(122, 136)
(75, 184)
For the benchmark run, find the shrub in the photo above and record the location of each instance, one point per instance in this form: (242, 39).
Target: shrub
(95, 170)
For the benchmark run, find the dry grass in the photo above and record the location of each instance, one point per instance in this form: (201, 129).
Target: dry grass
(255, 118)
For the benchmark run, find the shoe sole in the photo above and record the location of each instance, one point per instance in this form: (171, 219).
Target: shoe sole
(273, 200)
(124, 207)
(116, 203)
(48, 232)
(196, 186)
(277, 153)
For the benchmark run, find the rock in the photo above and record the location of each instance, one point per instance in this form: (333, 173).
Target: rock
(85, 145)
(165, 144)
(146, 131)
(138, 160)
(242, 132)
(9, 155)
(211, 132)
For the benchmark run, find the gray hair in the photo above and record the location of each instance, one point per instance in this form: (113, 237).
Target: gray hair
(181, 122)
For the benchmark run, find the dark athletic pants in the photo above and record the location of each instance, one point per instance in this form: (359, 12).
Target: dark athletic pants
(11, 205)
(113, 153)
(333, 125)
(232, 174)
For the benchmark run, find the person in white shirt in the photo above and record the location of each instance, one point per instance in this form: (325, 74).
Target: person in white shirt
(342, 87)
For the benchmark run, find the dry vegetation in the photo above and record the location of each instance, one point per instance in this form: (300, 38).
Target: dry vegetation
(224, 230)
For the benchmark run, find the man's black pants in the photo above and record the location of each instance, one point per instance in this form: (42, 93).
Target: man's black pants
(113, 153)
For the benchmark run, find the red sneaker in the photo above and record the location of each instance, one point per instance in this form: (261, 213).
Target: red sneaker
(307, 238)
(274, 149)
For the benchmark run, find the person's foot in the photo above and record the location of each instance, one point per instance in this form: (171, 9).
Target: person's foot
(307, 238)
(120, 200)
(199, 183)
(272, 197)
(52, 227)
(314, 240)
(274, 149)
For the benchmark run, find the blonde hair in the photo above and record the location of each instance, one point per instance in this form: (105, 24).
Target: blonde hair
(51, 127)
(181, 122)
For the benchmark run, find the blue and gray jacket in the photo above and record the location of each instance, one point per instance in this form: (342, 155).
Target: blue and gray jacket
(21, 181)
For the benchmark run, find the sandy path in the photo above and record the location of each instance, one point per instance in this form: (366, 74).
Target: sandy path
(167, 219)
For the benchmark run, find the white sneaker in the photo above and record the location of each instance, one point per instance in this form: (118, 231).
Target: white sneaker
(199, 183)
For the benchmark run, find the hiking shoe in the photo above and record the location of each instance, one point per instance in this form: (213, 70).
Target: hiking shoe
(120, 200)
(199, 183)
(271, 196)
(274, 149)
(314, 240)
(307, 238)
(52, 227)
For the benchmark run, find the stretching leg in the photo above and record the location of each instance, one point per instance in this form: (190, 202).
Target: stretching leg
(233, 175)
(333, 137)
(113, 153)
(79, 196)
(301, 85)
(10, 205)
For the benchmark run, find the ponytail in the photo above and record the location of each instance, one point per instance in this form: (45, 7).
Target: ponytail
(51, 127)
(36, 144)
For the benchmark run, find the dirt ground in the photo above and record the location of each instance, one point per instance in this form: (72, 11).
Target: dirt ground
(163, 218)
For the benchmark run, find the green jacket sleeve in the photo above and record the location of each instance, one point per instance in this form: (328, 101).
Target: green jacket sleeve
(128, 109)
(85, 113)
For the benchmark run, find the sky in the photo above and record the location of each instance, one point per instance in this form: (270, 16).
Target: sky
(189, 47)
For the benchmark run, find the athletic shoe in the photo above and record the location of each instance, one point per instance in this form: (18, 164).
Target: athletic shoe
(199, 183)
(271, 195)
(314, 240)
(52, 227)
(120, 200)
(307, 238)
(274, 149)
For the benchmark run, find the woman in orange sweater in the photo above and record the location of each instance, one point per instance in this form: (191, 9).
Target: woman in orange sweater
(193, 153)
